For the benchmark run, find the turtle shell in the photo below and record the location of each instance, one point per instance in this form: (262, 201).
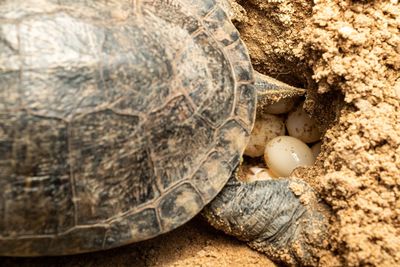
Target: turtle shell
(119, 120)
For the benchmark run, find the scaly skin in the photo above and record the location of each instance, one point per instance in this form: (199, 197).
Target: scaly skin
(289, 227)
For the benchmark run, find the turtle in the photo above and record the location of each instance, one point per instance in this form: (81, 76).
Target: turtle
(122, 120)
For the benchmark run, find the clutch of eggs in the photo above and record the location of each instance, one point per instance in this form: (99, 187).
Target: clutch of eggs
(283, 153)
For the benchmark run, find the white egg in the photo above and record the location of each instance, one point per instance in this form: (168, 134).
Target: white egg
(258, 174)
(316, 149)
(282, 106)
(265, 128)
(302, 126)
(285, 153)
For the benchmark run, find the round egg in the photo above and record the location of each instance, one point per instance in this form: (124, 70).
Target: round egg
(258, 174)
(285, 153)
(265, 128)
(316, 149)
(302, 126)
(282, 106)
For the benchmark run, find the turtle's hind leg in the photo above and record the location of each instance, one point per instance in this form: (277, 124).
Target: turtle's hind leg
(280, 217)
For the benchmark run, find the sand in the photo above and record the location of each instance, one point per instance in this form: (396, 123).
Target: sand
(356, 52)
(347, 54)
(194, 244)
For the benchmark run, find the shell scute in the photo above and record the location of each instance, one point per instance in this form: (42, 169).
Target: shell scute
(181, 203)
(209, 176)
(242, 109)
(174, 156)
(109, 145)
(140, 225)
(39, 178)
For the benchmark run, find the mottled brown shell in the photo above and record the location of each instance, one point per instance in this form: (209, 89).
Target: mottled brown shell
(119, 120)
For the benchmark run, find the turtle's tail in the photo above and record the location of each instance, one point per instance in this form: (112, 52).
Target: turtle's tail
(281, 218)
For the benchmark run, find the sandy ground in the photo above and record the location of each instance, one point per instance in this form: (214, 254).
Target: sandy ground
(347, 53)
(194, 244)
(348, 56)
(356, 52)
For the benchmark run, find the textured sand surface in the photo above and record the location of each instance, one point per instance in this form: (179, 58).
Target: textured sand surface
(348, 55)
(194, 244)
